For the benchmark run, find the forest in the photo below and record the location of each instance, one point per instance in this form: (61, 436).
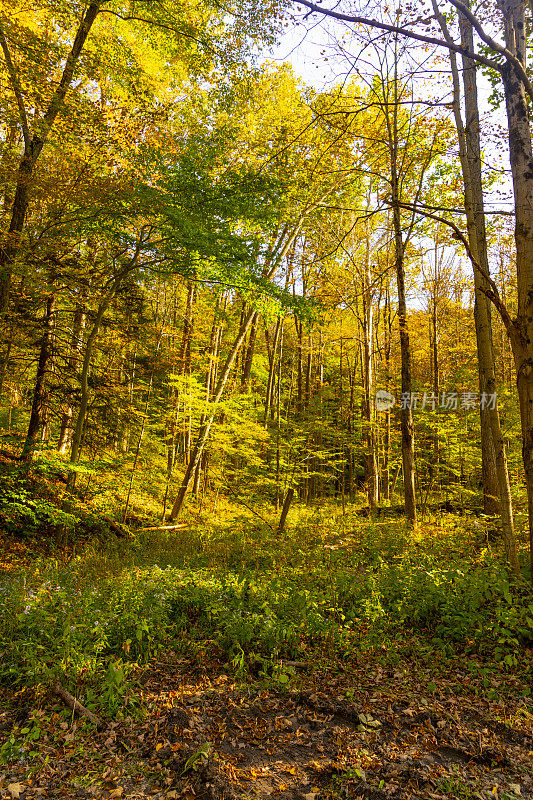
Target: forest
(266, 399)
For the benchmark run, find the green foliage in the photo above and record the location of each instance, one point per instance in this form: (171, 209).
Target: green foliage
(239, 592)
(471, 604)
(198, 759)
(20, 742)
(25, 514)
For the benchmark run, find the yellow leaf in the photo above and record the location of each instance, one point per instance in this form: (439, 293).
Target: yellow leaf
(158, 747)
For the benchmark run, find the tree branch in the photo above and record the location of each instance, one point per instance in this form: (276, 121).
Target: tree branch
(494, 45)
(492, 293)
(66, 78)
(15, 84)
(374, 23)
(159, 25)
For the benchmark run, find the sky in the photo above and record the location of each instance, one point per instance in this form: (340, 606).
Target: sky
(312, 50)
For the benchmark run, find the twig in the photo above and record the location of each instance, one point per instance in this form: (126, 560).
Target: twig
(76, 707)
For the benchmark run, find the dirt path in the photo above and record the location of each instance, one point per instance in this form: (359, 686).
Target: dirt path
(366, 733)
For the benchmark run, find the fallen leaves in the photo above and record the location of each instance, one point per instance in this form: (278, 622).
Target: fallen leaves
(395, 738)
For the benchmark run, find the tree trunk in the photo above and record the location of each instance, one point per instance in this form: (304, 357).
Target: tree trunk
(188, 325)
(299, 375)
(521, 158)
(386, 444)
(482, 311)
(65, 433)
(371, 465)
(285, 510)
(271, 372)
(309, 362)
(9, 250)
(406, 414)
(40, 392)
(247, 368)
(470, 157)
(278, 418)
(33, 146)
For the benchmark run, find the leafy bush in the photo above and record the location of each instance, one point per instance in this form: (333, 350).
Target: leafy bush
(22, 513)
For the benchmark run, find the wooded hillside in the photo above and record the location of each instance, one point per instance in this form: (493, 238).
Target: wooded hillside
(266, 401)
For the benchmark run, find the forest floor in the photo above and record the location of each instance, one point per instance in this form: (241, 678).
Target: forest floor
(359, 731)
(369, 714)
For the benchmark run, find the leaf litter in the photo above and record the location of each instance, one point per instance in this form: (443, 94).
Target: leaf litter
(365, 731)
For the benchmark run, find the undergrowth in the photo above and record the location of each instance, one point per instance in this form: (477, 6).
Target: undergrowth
(332, 587)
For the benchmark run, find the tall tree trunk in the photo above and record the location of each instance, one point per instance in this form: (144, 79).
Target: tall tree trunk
(299, 374)
(40, 390)
(271, 371)
(406, 413)
(185, 358)
(482, 311)
(286, 505)
(371, 465)
(247, 368)
(351, 409)
(521, 158)
(470, 157)
(241, 323)
(76, 342)
(278, 418)
(186, 337)
(386, 444)
(308, 365)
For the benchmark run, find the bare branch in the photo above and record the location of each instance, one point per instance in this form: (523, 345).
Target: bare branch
(494, 45)
(374, 23)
